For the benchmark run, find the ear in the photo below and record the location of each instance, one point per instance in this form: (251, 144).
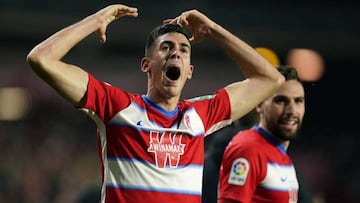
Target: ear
(145, 64)
(259, 109)
(190, 72)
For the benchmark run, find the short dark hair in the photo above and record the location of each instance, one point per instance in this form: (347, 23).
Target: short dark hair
(163, 29)
(289, 72)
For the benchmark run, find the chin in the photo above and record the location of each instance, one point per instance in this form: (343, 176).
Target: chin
(288, 134)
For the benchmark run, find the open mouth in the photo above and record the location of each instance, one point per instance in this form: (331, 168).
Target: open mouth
(173, 73)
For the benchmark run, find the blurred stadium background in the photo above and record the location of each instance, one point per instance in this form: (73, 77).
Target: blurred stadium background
(48, 151)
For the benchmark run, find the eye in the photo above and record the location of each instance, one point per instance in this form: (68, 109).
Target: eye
(185, 50)
(165, 47)
(281, 100)
(299, 100)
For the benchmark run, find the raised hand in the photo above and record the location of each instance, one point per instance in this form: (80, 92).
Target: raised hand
(196, 22)
(111, 13)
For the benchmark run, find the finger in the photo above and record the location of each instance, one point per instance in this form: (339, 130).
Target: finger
(120, 15)
(129, 10)
(184, 20)
(192, 40)
(170, 21)
(167, 21)
(130, 13)
(102, 35)
(102, 38)
(125, 11)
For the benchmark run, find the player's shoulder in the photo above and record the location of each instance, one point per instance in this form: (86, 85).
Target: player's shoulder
(247, 138)
(246, 135)
(199, 98)
(217, 94)
(195, 102)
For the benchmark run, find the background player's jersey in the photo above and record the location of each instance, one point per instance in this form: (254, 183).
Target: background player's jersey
(257, 169)
(149, 154)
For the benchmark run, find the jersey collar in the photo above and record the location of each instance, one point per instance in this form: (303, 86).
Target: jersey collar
(270, 138)
(166, 113)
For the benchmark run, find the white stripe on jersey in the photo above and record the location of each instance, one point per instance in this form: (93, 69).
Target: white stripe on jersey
(102, 130)
(218, 126)
(280, 177)
(126, 173)
(135, 116)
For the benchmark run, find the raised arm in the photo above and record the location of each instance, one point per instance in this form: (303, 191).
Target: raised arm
(261, 78)
(68, 80)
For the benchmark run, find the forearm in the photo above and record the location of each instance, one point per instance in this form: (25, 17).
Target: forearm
(261, 78)
(252, 64)
(69, 80)
(45, 59)
(57, 45)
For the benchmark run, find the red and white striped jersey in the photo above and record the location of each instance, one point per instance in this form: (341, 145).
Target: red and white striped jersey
(256, 168)
(149, 154)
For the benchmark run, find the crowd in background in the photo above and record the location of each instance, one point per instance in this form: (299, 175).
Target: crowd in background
(48, 157)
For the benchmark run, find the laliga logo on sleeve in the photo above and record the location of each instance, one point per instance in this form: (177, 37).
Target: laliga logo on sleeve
(239, 171)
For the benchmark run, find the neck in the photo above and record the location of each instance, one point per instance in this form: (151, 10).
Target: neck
(167, 103)
(285, 143)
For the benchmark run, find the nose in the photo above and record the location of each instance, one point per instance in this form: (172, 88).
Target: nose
(291, 108)
(174, 54)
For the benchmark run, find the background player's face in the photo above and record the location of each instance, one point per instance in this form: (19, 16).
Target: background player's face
(168, 64)
(283, 112)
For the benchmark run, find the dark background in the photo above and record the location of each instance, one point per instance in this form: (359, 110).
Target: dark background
(49, 155)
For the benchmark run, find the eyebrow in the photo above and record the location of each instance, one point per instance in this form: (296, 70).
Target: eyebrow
(183, 44)
(285, 97)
